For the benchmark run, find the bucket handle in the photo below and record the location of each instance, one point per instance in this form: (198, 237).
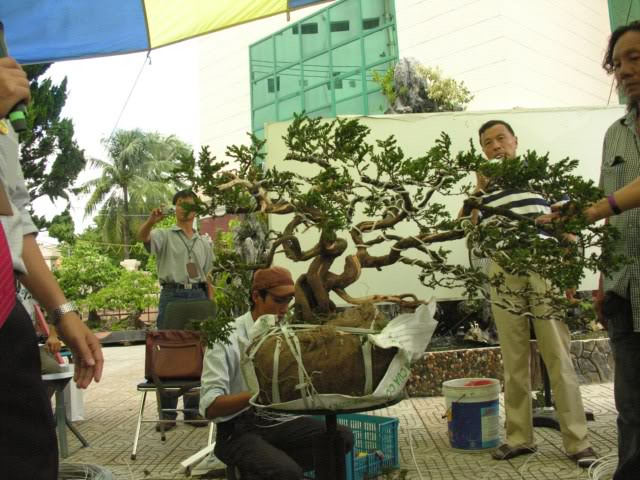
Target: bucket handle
(444, 415)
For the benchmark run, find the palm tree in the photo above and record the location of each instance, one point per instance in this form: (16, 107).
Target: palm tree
(135, 178)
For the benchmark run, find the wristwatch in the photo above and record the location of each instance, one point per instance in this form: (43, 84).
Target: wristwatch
(62, 310)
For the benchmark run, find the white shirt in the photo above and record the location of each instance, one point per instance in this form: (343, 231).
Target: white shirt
(19, 224)
(221, 371)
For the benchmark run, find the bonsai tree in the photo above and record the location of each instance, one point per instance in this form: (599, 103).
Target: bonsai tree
(353, 189)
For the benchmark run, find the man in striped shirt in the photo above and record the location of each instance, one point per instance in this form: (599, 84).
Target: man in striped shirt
(498, 141)
(252, 446)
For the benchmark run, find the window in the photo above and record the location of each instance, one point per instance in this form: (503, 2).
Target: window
(337, 84)
(370, 23)
(270, 85)
(307, 29)
(323, 63)
(342, 26)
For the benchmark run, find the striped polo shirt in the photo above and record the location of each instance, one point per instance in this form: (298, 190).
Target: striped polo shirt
(528, 204)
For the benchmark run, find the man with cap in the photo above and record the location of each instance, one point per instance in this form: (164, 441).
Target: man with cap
(251, 446)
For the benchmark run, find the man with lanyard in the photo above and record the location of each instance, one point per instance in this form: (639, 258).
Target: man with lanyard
(185, 260)
(498, 141)
(255, 447)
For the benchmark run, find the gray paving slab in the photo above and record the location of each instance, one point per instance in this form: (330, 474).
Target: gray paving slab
(111, 408)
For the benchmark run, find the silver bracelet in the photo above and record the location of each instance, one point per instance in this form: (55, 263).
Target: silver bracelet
(61, 311)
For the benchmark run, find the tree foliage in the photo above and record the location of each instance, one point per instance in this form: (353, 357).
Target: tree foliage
(134, 179)
(51, 158)
(84, 271)
(352, 189)
(92, 279)
(129, 291)
(62, 228)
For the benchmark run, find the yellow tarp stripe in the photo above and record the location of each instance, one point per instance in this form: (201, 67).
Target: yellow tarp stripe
(170, 21)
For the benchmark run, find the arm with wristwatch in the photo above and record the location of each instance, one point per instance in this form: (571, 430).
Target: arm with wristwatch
(14, 87)
(63, 315)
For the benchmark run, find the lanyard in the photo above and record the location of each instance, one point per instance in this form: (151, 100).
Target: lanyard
(189, 250)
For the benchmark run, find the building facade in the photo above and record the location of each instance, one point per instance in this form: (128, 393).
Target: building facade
(509, 53)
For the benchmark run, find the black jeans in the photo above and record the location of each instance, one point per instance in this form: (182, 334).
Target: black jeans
(266, 450)
(28, 446)
(625, 344)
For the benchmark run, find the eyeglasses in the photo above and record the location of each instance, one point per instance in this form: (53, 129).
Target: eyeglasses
(282, 300)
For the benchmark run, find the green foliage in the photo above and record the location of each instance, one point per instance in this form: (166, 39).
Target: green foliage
(62, 228)
(136, 178)
(421, 89)
(514, 242)
(115, 251)
(84, 272)
(538, 400)
(387, 84)
(533, 172)
(50, 157)
(129, 291)
(346, 178)
(204, 175)
(449, 94)
(232, 289)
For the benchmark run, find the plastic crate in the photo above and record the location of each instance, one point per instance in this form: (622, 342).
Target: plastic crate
(375, 447)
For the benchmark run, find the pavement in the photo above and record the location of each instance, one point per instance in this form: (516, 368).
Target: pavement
(111, 409)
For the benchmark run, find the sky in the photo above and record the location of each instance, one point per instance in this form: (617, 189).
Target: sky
(164, 100)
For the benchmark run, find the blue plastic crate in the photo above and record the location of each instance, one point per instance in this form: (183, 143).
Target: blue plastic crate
(375, 448)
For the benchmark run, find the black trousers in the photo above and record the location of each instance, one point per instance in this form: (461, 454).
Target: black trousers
(28, 445)
(267, 450)
(625, 344)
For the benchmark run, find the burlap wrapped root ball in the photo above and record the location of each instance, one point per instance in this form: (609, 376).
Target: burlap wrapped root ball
(333, 359)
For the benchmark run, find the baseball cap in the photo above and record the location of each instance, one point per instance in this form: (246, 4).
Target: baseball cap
(277, 280)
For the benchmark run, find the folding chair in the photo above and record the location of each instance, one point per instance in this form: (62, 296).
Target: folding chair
(179, 314)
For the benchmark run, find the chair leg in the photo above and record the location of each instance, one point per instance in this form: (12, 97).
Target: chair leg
(163, 437)
(140, 413)
(210, 439)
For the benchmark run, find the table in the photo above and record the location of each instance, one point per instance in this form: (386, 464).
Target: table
(58, 381)
(328, 447)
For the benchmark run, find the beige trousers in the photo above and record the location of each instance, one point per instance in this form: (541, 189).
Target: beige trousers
(553, 343)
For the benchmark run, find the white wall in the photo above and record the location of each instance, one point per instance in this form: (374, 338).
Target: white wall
(571, 132)
(513, 53)
(223, 72)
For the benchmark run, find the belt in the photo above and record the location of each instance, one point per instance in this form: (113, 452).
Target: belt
(183, 286)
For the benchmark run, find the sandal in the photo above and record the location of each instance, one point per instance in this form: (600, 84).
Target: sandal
(507, 452)
(585, 458)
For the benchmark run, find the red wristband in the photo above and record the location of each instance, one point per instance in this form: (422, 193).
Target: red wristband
(613, 204)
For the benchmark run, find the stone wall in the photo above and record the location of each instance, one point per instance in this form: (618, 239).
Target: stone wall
(592, 360)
